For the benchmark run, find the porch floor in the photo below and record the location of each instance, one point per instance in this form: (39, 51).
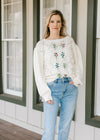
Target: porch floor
(9, 131)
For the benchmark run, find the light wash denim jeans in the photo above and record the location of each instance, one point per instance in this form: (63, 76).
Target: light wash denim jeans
(65, 95)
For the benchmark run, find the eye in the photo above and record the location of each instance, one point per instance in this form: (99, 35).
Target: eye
(52, 21)
(58, 21)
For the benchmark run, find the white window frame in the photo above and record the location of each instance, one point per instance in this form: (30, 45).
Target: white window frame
(4, 55)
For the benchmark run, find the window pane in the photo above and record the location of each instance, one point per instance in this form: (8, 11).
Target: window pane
(18, 84)
(8, 30)
(8, 20)
(12, 19)
(10, 48)
(14, 58)
(10, 82)
(18, 66)
(8, 13)
(18, 59)
(14, 65)
(11, 65)
(19, 48)
(48, 5)
(17, 14)
(7, 1)
(67, 13)
(65, 7)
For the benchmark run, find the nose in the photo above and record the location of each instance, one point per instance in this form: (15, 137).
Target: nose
(55, 23)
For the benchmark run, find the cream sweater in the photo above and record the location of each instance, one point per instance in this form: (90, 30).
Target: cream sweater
(56, 59)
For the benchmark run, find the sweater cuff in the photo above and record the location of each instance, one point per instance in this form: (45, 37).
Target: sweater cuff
(77, 82)
(47, 97)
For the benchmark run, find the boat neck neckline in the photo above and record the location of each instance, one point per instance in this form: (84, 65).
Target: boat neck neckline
(59, 39)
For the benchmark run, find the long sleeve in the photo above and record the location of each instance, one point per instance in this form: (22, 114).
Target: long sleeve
(43, 89)
(78, 66)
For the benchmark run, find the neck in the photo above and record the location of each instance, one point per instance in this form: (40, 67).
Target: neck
(54, 36)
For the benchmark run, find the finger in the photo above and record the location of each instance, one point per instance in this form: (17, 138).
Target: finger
(51, 101)
(48, 101)
(71, 82)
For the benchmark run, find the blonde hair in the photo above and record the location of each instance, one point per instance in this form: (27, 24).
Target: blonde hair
(47, 20)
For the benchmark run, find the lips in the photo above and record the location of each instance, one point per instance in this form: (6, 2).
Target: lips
(55, 28)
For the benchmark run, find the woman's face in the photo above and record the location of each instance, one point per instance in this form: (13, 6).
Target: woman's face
(55, 24)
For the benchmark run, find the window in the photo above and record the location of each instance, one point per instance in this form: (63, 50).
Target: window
(40, 10)
(93, 65)
(13, 49)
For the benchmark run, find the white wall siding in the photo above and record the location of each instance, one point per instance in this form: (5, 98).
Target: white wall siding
(34, 117)
(1, 106)
(10, 109)
(83, 132)
(21, 113)
(97, 134)
(42, 119)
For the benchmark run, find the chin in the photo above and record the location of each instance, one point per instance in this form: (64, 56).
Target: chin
(55, 31)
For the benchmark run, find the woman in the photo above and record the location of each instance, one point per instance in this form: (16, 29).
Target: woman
(58, 72)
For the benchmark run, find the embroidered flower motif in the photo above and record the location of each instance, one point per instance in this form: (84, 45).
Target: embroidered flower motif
(57, 65)
(63, 45)
(65, 75)
(55, 54)
(54, 46)
(64, 65)
(59, 75)
(62, 54)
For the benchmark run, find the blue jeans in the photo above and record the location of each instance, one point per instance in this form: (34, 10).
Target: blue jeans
(65, 95)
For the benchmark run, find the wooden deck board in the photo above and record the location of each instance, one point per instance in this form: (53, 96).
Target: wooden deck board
(9, 131)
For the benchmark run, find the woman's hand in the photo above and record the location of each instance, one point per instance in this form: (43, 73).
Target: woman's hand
(50, 101)
(71, 83)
